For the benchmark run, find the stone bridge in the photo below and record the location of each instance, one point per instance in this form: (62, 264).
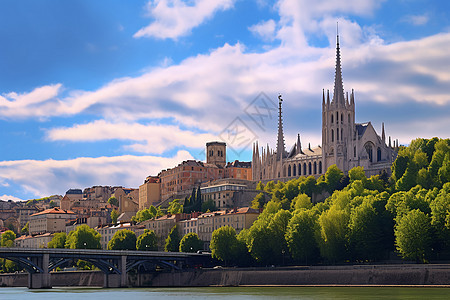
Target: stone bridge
(114, 263)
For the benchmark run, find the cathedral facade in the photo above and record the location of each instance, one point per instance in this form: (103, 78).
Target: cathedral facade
(344, 143)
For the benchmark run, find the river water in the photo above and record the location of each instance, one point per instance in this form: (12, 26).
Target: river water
(246, 293)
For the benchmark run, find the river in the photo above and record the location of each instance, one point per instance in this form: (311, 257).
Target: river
(246, 293)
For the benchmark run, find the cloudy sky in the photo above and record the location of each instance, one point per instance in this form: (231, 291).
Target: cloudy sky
(108, 92)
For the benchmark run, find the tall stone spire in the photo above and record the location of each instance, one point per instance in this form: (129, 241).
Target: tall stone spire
(338, 97)
(280, 142)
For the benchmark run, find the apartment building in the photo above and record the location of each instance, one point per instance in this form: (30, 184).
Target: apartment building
(50, 220)
(149, 192)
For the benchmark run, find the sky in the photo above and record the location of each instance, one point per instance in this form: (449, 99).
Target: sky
(108, 92)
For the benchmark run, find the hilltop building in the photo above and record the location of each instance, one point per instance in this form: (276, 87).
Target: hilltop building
(344, 142)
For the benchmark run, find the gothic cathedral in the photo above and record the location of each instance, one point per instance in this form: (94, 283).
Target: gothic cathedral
(344, 143)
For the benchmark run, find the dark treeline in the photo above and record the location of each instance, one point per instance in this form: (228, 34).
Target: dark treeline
(363, 219)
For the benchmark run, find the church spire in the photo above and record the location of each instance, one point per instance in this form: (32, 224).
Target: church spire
(280, 143)
(338, 97)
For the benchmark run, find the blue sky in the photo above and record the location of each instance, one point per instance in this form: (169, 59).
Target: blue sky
(109, 92)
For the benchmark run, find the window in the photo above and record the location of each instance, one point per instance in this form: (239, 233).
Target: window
(337, 134)
(378, 154)
(304, 168)
(332, 119)
(342, 118)
(315, 168)
(289, 171)
(332, 135)
(294, 170)
(309, 167)
(320, 167)
(348, 118)
(342, 134)
(354, 151)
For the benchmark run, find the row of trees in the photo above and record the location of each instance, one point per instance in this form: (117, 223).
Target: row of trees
(364, 219)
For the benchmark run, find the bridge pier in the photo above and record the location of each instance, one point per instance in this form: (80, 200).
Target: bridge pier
(114, 280)
(40, 280)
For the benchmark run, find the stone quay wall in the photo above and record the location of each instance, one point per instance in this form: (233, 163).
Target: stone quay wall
(356, 275)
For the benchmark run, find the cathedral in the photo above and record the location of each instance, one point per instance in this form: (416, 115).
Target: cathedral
(344, 143)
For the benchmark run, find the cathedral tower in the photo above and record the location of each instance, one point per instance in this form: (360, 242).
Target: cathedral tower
(338, 123)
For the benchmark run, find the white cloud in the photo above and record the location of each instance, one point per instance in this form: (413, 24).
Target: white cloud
(9, 197)
(149, 138)
(264, 29)
(35, 103)
(48, 177)
(175, 18)
(416, 20)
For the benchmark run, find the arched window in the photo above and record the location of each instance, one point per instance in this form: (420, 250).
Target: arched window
(304, 169)
(337, 117)
(315, 168)
(299, 169)
(289, 171)
(284, 171)
(369, 149)
(294, 170)
(342, 118)
(309, 167)
(332, 135)
(342, 134)
(378, 154)
(337, 134)
(354, 151)
(332, 119)
(320, 167)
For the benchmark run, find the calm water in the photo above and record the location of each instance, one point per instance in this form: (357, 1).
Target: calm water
(227, 293)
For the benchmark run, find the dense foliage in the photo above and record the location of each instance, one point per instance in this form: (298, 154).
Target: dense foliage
(83, 237)
(58, 240)
(339, 218)
(123, 240)
(191, 243)
(7, 239)
(147, 214)
(173, 240)
(148, 241)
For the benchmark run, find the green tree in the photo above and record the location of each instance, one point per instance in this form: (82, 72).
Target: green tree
(172, 240)
(113, 201)
(191, 243)
(357, 173)
(259, 201)
(400, 164)
(224, 244)
(114, 216)
(123, 240)
(8, 238)
(413, 236)
(302, 201)
(301, 236)
(148, 241)
(83, 237)
(175, 207)
(260, 186)
(26, 229)
(368, 239)
(333, 178)
(58, 240)
(333, 232)
(209, 205)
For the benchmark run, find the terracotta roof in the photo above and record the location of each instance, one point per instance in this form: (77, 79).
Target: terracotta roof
(54, 210)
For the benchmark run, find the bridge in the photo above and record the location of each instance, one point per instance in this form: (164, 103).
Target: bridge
(115, 264)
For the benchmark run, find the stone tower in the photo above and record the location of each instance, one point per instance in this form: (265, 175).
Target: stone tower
(216, 153)
(338, 123)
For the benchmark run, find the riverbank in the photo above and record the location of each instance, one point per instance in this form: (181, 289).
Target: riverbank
(353, 275)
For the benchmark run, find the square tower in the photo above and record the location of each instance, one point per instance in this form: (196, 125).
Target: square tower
(216, 153)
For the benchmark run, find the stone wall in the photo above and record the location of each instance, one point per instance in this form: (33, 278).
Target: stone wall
(410, 274)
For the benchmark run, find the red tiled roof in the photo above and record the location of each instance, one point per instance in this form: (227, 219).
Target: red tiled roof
(54, 210)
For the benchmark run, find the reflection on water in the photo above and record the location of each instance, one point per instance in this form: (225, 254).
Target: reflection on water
(228, 293)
